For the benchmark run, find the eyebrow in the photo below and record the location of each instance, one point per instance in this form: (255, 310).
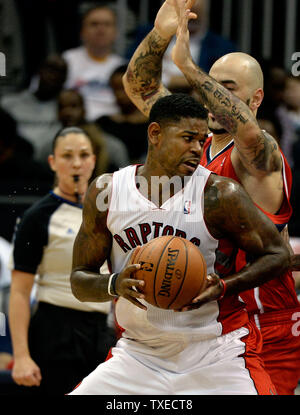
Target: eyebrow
(228, 81)
(194, 133)
(71, 149)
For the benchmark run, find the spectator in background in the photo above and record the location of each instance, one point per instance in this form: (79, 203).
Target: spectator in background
(91, 64)
(46, 26)
(110, 151)
(273, 106)
(36, 111)
(20, 174)
(206, 47)
(64, 338)
(271, 125)
(129, 124)
(291, 98)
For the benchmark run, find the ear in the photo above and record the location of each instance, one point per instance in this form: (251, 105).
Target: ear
(256, 100)
(154, 133)
(51, 162)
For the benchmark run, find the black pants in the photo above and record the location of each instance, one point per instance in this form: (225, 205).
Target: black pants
(67, 345)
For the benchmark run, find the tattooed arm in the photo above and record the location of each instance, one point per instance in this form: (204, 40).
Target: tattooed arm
(257, 150)
(229, 213)
(142, 81)
(92, 247)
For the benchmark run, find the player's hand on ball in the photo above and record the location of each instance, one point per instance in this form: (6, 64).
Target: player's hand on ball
(126, 286)
(213, 290)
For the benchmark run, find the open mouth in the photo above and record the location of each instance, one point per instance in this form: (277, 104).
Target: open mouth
(191, 165)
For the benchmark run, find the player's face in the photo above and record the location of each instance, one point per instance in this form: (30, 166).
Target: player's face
(99, 28)
(73, 156)
(181, 146)
(235, 83)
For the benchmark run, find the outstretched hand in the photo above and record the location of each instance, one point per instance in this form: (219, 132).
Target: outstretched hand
(167, 18)
(181, 51)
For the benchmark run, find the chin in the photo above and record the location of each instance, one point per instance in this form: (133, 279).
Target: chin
(214, 125)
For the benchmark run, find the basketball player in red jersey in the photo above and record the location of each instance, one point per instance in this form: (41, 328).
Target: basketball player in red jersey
(237, 148)
(212, 349)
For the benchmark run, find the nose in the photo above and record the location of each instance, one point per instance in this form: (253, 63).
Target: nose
(77, 161)
(196, 147)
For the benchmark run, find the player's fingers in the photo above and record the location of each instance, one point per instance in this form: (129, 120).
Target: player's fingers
(131, 269)
(131, 282)
(131, 291)
(27, 380)
(135, 302)
(37, 375)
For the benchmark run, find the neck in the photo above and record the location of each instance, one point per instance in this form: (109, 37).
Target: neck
(160, 190)
(43, 95)
(75, 197)
(219, 142)
(98, 53)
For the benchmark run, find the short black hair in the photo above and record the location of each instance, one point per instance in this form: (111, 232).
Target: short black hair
(175, 107)
(70, 130)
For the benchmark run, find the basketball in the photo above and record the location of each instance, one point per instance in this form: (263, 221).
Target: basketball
(173, 269)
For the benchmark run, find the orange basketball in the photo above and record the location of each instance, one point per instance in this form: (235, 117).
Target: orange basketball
(173, 269)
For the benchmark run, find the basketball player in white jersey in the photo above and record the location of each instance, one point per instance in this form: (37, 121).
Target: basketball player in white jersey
(213, 348)
(239, 149)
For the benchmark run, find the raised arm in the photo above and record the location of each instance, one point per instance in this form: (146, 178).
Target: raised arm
(92, 247)
(142, 81)
(258, 151)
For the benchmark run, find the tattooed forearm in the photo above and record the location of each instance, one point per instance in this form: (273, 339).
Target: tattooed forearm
(145, 68)
(263, 154)
(228, 110)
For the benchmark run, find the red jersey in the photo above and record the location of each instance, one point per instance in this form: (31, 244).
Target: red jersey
(279, 293)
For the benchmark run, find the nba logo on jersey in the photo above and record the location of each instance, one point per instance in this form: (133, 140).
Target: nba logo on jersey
(187, 207)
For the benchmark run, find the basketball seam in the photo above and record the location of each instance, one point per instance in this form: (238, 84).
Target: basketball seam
(186, 263)
(157, 266)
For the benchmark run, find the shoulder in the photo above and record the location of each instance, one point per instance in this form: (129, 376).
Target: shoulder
(34, 223)
(221, 192)
(15, 98)
(73, 53)
(98, 195)
(43, 207)
(118, 59)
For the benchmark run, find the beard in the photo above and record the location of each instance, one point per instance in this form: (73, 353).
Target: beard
(215, 127)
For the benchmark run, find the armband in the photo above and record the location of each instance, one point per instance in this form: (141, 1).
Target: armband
(111, 287)
(224, 289)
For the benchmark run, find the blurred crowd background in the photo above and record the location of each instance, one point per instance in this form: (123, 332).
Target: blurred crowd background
(64, 66)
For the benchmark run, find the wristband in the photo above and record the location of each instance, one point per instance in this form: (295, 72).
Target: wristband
(111, 287)
(223, 290)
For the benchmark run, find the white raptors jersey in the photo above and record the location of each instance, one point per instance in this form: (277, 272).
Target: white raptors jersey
(134, 220)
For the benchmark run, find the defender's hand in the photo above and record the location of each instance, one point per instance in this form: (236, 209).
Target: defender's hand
(166, 21)
(181, 51)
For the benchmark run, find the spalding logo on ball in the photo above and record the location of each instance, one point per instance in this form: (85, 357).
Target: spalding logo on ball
(173, 269)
